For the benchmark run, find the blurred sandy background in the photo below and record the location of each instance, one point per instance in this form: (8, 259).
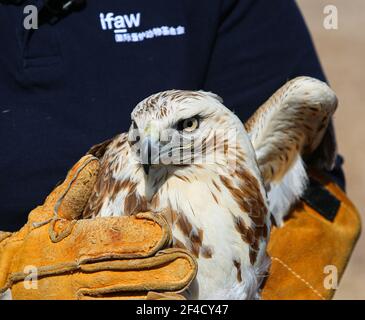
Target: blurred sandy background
(342, 53)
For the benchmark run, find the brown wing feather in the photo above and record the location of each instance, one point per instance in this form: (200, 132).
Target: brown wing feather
(111, 153)
(99, 149)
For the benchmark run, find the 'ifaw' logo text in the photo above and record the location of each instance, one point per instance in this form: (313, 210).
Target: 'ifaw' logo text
(126, 28)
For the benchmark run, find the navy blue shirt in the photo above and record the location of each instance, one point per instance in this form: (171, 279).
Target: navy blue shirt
(70, 85)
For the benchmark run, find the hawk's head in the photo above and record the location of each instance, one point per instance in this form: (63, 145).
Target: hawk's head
(177, 127)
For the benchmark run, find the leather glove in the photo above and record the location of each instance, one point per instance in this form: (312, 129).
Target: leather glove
(311, 251)
(73, 258)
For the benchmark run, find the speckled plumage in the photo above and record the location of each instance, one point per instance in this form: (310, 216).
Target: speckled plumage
(218, 209)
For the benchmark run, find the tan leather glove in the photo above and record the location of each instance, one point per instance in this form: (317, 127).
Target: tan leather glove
(115, 257)
(310, 252)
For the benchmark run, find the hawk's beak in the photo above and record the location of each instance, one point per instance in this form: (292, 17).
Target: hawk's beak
(146, 153)
(149, 149)
(146, 168)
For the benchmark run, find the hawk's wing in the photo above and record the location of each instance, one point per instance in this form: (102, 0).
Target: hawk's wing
(99, 149)
(293, 122)
(112, 153)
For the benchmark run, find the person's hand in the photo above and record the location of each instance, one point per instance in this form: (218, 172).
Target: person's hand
(57, 255)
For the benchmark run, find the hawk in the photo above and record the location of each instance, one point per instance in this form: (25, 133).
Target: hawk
(217, 181)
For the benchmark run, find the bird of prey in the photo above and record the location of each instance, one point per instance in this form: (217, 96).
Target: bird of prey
(218, 182)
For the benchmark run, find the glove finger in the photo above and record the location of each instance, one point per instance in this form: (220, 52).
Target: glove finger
(78, 187)
(69, 198)
(111, 257)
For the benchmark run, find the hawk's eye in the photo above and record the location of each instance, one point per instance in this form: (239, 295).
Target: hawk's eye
(188, 125)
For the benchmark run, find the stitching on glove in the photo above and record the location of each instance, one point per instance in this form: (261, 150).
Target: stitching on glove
(299, 277)
(42, 223)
